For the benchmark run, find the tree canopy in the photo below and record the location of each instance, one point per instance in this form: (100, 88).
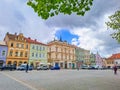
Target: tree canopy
(50, 8)
(114, 24)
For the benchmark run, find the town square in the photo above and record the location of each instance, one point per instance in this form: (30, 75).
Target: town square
(60, 45)
(60, 80)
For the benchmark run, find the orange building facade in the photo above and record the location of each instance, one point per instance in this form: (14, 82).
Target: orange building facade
(18, 49)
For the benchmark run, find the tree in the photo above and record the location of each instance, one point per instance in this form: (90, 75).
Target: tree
(49, 8)
(114, 24)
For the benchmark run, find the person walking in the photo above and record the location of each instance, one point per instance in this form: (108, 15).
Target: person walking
(115, 69)
(27, 67)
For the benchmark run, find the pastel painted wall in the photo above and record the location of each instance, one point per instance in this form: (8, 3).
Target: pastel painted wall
(3, 53)
(38, 53)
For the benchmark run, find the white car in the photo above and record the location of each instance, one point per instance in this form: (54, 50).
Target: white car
(42, 67)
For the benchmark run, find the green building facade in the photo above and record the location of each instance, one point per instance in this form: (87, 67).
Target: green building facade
(79, 52)
(92, 59)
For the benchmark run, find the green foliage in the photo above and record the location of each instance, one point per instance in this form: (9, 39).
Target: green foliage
(114, 23)
(49, 8)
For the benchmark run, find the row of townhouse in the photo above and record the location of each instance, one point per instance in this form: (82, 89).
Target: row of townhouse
(20, 49)
(24, 50)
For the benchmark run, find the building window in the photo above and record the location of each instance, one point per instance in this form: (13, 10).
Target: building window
(43, 48)
(16, 54)
(27, 46)
(40, 48)
(11, 44)
(22, 45)
(9, 63)
(32, 54)
(40, 55)
(26, 54)
(3, 53)
(43, 55)
(11, 53)
(36, 47)
(33, 47)
(21, 54)
(17, 45)
(36, 55)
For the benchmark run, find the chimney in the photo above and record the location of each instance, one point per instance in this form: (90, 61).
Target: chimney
(29, 38)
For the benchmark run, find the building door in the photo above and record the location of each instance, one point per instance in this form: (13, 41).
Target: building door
(61, 65)
(65, 64)
(73, 65)
(1, 62)
(56, 64)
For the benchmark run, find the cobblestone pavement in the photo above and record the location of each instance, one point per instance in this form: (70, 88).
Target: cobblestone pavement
(60, 80)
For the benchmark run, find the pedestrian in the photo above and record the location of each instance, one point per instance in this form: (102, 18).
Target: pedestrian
(27, 67)
(115, 69)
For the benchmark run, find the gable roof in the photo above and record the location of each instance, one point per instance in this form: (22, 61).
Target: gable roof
(115, 56)
(29, 40)
(11, 36)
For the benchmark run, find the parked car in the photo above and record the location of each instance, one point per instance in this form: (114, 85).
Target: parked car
(55, 68)
(42, 67)
(97, 67)
(84, 67)
(8, 67)
(23, 67)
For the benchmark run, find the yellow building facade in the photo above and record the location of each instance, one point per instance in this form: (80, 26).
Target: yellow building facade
(62, 54)
(18, 49)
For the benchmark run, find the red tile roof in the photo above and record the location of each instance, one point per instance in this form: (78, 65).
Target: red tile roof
(29, 40)
(115, 56)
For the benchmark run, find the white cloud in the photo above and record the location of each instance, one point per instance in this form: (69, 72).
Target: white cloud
(74, 41)
(19, 17)
(97, 40)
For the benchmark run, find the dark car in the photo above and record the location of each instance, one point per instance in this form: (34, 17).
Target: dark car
(55, 68)
(92, 68)
(8, 67)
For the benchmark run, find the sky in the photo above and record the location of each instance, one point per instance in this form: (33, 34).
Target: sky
(89, 31)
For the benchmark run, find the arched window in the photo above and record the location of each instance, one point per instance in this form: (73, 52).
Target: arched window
(11, 44)
(20, 62)
(25, 62)
(15, 63)
(9, 62)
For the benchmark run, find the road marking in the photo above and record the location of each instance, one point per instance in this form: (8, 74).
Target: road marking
(21, 82)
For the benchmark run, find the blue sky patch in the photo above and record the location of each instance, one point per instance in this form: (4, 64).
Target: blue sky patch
(65, 35)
